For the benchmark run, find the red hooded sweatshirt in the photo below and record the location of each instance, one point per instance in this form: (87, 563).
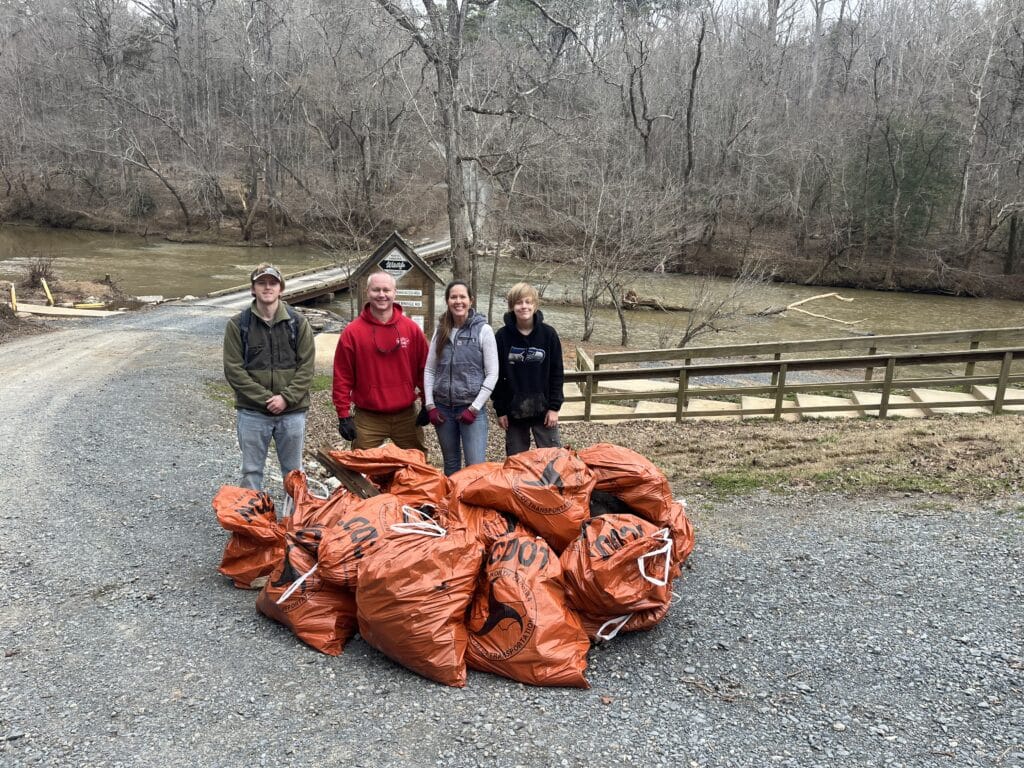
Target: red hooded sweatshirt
(379, 366)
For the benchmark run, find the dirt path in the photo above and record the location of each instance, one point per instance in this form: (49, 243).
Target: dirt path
(811, 628)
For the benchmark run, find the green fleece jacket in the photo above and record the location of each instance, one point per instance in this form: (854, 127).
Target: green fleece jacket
(274, 368)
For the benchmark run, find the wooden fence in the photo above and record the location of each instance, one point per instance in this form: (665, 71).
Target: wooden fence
(868, 345)
(837, 375)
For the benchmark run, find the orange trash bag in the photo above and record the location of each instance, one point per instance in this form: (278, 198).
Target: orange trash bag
(630, 477)
(519, 624)
(256, 543)
(635, 481)
(356, 534)
(547, 489)
(681, 528)
(412, 597)
(320, 614)
(487, 524)
(673, 517)
(599, 628)
(309, 507)
(620, 564)
(403, 472)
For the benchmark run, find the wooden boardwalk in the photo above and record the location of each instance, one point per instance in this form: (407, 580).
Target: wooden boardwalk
(41, 309)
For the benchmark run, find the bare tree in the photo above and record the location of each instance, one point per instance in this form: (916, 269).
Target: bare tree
(849, 135)
(354, 104)
(717, 306)
(441, 39)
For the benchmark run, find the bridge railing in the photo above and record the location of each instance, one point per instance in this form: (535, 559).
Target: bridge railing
(429, 251)
(903, 371)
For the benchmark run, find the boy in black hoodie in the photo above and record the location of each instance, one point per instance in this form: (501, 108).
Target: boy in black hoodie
(528, 394)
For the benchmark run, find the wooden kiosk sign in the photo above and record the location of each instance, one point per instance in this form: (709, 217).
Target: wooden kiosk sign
(414, 279)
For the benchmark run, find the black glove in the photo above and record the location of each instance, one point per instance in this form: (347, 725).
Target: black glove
(347, 428)
(423, 417)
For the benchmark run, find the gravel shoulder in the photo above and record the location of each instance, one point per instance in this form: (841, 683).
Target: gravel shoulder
(815, 626)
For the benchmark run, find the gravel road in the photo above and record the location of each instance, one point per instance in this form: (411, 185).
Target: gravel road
(809, 630)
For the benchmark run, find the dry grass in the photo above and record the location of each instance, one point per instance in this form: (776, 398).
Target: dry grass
(967, 456)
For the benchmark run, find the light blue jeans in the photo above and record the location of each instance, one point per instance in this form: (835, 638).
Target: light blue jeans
(456, 438)
(255, 430)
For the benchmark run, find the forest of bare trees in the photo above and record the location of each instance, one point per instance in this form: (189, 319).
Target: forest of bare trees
(876, 138)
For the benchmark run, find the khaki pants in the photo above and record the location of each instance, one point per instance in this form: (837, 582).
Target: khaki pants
(373, 428)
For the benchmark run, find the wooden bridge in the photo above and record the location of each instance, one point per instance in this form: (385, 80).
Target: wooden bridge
(883, 376)
(316, 282)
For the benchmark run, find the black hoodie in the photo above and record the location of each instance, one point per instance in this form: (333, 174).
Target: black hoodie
(530, 372)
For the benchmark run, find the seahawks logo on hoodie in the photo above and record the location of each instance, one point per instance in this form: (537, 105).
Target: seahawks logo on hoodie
(526, 355)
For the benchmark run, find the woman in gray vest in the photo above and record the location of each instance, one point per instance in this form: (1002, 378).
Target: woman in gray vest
(462, 367)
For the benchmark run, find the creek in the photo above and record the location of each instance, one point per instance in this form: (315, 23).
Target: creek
(145, 267)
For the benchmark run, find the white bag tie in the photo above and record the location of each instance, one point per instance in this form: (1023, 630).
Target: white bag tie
(289, 506)
(317, 489)
(418, 522)
(296, 584)
(618, 623)
(666, 550)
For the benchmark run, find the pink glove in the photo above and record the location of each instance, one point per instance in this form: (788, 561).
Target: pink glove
(435, 416)
(467, 416)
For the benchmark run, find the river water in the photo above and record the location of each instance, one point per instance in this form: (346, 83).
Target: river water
(144, 267)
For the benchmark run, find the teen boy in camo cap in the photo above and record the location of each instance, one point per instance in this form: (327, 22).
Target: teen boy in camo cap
(269, 355)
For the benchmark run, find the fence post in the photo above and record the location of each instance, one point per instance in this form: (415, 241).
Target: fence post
(869, 372)
(681, 394)
(583, 361)
(969, 368)
(890, 372)
(587, 394)
(775, 374)
(780, 380)
(1004, 377)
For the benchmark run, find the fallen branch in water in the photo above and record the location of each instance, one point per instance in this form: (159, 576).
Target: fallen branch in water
(795, 307)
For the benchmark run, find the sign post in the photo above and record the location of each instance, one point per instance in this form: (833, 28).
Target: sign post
(414, 279)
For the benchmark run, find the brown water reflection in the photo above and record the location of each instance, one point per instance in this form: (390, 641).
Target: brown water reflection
(874, 312)
(154, 267)
(144, 266)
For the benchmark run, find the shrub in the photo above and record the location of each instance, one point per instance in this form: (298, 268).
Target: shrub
(40, 268)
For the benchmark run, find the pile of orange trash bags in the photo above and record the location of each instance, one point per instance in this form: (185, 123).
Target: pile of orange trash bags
(510, 568)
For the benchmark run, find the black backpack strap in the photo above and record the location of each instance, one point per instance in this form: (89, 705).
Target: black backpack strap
(293, 327)
(244, 319)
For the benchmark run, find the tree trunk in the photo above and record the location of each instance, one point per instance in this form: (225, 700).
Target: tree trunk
(694, 71)
(458, 223)
(588, 308)
(615, 292)
(1010, 260)
(978, 95)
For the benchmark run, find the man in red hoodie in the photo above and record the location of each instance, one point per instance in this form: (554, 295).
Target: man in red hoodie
(378, 366)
